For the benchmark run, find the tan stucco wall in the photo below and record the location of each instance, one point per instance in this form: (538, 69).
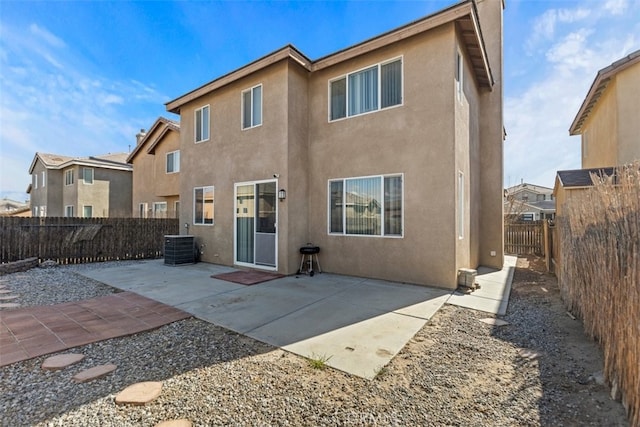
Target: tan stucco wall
(109, 195)
(612, 130)
(491, 141)
(151, 183)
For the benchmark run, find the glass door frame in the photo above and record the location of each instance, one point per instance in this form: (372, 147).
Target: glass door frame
(235, 224)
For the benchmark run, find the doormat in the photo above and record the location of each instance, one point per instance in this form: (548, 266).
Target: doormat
(247, 277)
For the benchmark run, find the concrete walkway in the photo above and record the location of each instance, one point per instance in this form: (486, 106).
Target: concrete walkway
(357, 324)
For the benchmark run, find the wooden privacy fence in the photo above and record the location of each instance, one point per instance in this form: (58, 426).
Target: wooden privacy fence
(525, 237)
(80, 240)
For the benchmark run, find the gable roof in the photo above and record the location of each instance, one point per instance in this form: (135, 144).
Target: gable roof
(162, 122)
(464, 14)
(528, 187)
(599, 85)
(115, 161)
(582, 177)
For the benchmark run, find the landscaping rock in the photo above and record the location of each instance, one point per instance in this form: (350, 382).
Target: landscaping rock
(94, 373)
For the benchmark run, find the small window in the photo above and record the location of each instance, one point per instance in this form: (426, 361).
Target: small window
(173, 162)
(371, 89)
(68, 211)
(87, 211)
(68, 177)
(87, 175)
(160, 210)
(459, 75)
(203, 205)
(177, 209)
(252, 107)
(44, 182)
(142, 210)
(35, 211)
(461, 205)
(43, 211)
(369, 206)
(202, 124)
(35, 180)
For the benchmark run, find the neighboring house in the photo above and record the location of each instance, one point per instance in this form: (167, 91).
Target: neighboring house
(156, 171)
(608, 120)
(609, 126)
(10, 207)
(387, 154)
(96, 186)
(529, 202)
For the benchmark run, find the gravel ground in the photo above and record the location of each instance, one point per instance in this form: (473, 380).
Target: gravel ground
(537, 371)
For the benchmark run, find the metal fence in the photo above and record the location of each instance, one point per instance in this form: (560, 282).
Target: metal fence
(80, 240)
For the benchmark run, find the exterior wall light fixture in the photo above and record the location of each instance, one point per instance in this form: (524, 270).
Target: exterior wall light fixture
(282, 194)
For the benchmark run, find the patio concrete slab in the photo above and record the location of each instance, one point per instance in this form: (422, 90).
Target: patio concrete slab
(359, 324)
(495, 288)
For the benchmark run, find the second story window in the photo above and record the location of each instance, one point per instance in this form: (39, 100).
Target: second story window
(35, 180)
(87, 175)
(44, 179)
(68, 177)
(173, 162)
(370, 89)
(202, 124)
(252, 107)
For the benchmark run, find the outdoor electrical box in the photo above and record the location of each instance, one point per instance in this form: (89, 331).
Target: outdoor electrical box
(179, 250)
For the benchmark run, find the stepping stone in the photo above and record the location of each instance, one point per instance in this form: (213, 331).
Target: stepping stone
(183, 422)
(9, 305)
(93, 373)
(8, 297)
(139, 393)
(61, 361)
(5, 291)
(495, 322)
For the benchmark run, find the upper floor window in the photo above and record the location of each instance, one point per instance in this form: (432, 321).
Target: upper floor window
(173, 162)
(87, 175)
(371, 89)
(370, 206)
(252, 107)
(203, 205)
(459, 75)
(44, 182)
(202, 124)
(68, 177)
(35, 180)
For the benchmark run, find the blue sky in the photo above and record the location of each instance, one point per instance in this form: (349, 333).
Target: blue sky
(81, 78)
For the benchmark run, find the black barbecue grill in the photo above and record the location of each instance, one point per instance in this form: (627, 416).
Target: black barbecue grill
(306, 262)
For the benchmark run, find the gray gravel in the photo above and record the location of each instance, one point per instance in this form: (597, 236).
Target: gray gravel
(456, 371)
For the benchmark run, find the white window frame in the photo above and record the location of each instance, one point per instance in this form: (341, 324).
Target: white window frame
(142, 210)
(69, 177)
(35, 211)
(176, 206)
(346, 77)
(68, 211)
(44, 179)
(382, 210)
(35, 181)
(43, 211)
(252, 121)
(84, 176)
(202, 129)
(459, 75)
(157, 205)
(204, 188)
(84, 213)
(175, 163)
(461, 205)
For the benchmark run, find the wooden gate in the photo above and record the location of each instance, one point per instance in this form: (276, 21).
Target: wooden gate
(522, 238)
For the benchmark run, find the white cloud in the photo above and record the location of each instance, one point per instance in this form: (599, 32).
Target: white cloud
(47, 36)
(616, 7)
(544, 27)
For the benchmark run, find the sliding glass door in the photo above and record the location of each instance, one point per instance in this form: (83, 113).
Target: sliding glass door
(256, 216)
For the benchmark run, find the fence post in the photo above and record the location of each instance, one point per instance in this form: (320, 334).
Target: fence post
(546, 249)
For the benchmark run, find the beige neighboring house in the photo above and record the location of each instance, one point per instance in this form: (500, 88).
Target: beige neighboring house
(156, 171)
(529, 202)
(10, 207)
(89, 187)
(608, 123)
(386, 154)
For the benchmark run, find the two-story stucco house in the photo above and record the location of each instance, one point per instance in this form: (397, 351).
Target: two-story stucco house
(156, 171)
(387, 154)
(608, 123)
(529, 202)
(95, 186)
